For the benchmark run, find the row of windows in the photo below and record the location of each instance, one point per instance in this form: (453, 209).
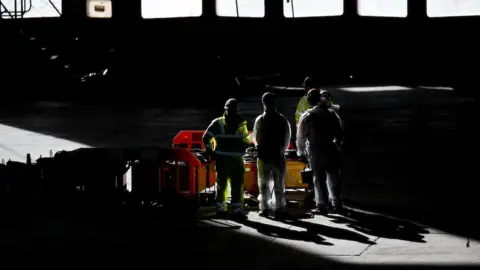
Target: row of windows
(250, 8)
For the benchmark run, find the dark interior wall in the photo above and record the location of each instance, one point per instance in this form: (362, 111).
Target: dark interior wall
(412, 50)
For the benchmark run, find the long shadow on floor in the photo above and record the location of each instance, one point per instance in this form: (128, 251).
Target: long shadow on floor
(382, 226)
(331, 232)
(275, 231)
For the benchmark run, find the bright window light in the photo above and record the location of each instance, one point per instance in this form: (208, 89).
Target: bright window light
(383, 8)
(453, 8)
(246, 8)
(375, 88)
(312, 8)
(33, 8)
(156, 9)
(17, 143)
(443, 88)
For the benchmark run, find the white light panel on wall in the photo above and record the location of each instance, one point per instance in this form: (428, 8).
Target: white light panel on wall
(99, 8)
(453, 8)
(246, 8)
(383, 8)
(312, 8)
(156, 9)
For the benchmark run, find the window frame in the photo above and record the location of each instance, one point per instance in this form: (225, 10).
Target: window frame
(383, 16)
(292, 6)
(264, 11)
(169, 17)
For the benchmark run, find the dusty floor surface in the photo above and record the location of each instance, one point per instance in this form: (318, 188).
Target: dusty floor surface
(398, 158)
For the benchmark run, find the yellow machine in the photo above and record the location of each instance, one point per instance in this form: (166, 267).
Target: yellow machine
(295, 188)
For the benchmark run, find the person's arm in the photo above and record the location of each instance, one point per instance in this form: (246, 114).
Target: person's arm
(245, 134)
(339, 130)
(257, 131)
(301, 136)
(209, 136)
(300, 110)
(288, 134)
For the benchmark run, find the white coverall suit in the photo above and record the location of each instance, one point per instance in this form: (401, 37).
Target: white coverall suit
(271, 135)
(319, 135)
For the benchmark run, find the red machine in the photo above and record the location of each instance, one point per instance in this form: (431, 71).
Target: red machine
(171, 171)
(189, 139)
(192, 139)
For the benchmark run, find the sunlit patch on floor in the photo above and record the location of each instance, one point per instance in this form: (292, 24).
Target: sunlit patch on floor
(17, 143)
(386, 88)
(443, 88)
(326, 236)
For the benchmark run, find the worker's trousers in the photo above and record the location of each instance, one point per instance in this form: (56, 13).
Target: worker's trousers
(268, 172)
(325, 164)
(229, 168)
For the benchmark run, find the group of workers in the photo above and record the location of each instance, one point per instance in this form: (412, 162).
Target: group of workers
(319, 139)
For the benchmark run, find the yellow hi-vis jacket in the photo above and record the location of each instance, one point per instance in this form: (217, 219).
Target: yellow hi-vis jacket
(302, 107)
(228, 140)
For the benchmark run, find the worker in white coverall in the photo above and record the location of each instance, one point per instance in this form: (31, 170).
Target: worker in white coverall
(231, 138)
(303, 105)
(271, 136)
(319, 139)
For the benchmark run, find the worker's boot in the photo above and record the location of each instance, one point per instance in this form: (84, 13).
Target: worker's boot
(221, 214)
(330, 208)
(340, 210)
(281, 214)
(239, 216)
(263, 213)
(320, 210)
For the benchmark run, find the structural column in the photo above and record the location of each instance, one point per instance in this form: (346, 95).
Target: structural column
(209, 9)
(350, 9)
(274, 9)
(417, 9)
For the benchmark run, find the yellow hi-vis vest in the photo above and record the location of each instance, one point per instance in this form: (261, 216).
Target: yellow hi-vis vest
(302, 107)
(227, 141)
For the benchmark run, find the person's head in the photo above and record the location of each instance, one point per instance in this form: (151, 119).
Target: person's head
(231, 107)
(268, 100)
(326, 98)
(313, 97)
(307, 84)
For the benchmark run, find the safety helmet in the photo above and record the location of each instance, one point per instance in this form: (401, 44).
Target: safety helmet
(231, 104)
(308, 82)
(313, 97)
(326, 94)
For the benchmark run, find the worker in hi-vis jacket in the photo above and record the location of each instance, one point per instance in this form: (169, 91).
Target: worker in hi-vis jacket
(303, 105)
(231, 139)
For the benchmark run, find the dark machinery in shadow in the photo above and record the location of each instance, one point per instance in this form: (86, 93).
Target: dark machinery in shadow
(95, 178)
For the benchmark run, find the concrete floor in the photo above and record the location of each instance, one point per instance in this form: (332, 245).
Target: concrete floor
(395, 159)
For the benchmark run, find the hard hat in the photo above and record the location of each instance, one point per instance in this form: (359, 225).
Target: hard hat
(231, 104)
(308, 82)
(326, 94)
(313, 97)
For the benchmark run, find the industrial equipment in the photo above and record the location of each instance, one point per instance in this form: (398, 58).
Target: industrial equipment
(296, 189)
(182, 176)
